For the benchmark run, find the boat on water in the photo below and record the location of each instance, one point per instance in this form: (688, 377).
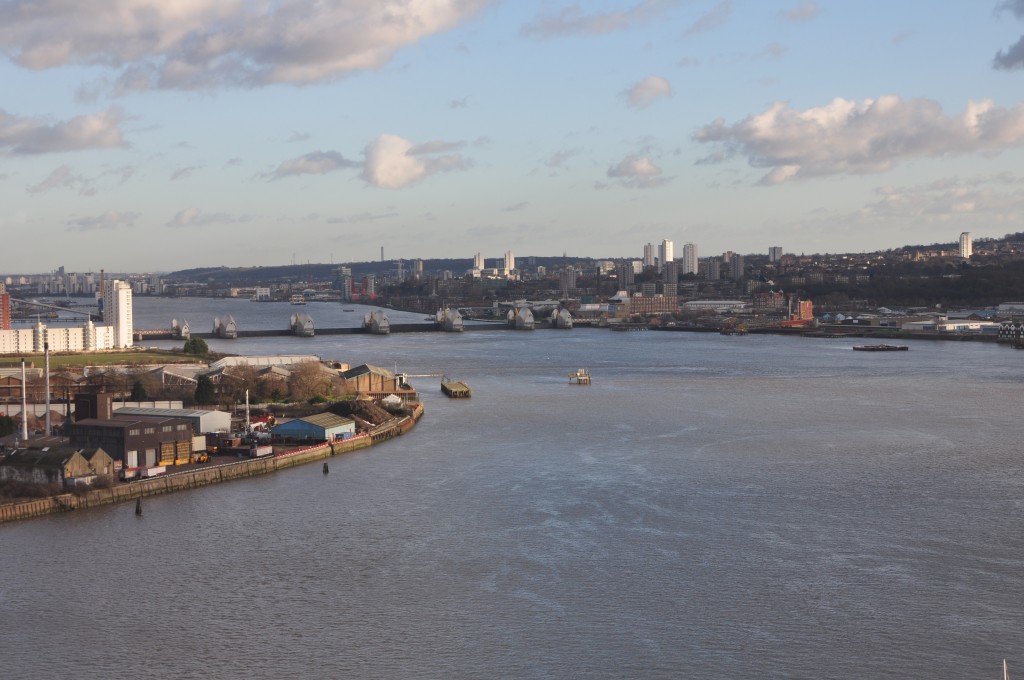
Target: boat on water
(297, 299)
(881, 348)
(580, 377)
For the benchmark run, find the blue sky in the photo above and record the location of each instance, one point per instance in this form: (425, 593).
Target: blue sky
(154, 136)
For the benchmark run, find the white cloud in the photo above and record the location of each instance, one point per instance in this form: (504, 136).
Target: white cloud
(571, 20)
(361, 217)
(194, 217)
(559, 159)
(638, 172)
(192, 44)
(108, 220)
(393, 162)
(846, 137)
(22, 135)
(805, 11)
(184, 173)
(647, 91)
(313, 163)
(64, 178)
(993, 199)
(716, 17)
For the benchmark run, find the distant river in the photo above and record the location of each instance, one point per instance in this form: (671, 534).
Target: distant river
(711, 507)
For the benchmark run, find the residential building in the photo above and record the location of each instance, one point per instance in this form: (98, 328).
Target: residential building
(567, 281)
(650, 255)
(966, 245)
(736, 267)
(665, 254)
(774, 254)
(690, 258)
(653, 304)
(117, 313)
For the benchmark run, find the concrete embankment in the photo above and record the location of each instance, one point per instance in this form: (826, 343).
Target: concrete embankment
(180, 481)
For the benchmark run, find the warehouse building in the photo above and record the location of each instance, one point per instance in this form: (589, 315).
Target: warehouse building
(321, 427)
(64, 466)
(203, 421)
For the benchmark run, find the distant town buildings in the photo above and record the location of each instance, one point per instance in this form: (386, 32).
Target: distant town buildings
(774, 254)
(115, 333)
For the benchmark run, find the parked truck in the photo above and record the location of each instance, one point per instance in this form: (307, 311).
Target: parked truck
(258, 451)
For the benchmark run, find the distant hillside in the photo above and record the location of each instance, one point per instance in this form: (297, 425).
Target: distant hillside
(308, 273)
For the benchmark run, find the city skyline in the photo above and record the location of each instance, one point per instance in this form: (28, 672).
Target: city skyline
(145, 137)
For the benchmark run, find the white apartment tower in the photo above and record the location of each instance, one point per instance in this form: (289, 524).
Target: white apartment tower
(117, 313)
(649, 255)
(478, 261)
(665, 254)
(966, 245)
(510, 262)
(690, 258)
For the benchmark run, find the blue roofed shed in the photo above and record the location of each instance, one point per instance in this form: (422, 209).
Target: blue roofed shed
(319, 427)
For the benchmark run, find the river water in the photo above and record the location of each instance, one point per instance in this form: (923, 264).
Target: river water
(709, 507)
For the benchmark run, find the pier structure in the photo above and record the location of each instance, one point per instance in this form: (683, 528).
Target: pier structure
(455, 389)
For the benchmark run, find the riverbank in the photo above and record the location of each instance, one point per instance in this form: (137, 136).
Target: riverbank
(180, 481)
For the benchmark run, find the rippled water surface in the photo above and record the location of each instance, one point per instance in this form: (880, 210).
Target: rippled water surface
(709, 507)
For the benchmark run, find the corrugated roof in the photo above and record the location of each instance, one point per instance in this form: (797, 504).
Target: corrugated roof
(164, 412)
(367, 368)
(327, 420)
(48, 457)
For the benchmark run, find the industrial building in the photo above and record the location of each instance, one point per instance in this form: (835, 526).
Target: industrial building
(321, 427)
(65, 466)
(132, 441)
(136, 443)
(202, 421)
(376, 382)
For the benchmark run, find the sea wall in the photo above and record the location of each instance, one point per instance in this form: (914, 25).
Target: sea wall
(179, 481)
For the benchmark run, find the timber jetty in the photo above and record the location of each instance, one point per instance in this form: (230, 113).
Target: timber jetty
(456, 389)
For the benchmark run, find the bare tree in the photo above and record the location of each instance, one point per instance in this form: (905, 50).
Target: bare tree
(309, 380)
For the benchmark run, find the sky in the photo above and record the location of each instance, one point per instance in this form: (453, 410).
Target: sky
(146, 135)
